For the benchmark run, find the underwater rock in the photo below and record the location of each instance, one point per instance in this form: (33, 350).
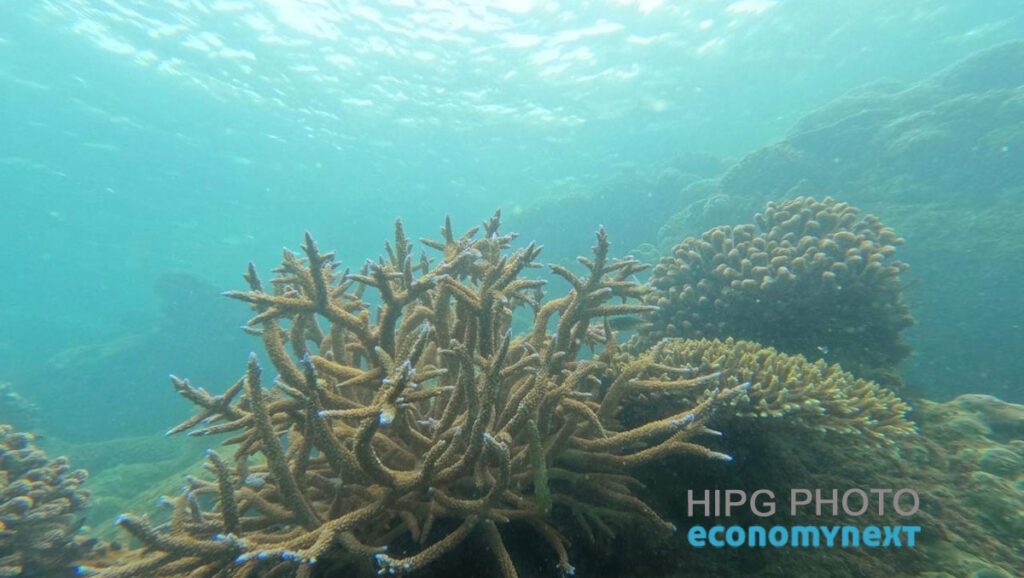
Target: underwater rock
(628, 204)
(129, 368)
(998, 68)
(942, 160)
(769, 172)
(708, 209)
(959, 130)
(1005, 420)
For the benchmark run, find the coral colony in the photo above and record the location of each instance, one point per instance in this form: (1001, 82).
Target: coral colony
(408, 421)
(41, 506)
(396, 436)
(811, 277)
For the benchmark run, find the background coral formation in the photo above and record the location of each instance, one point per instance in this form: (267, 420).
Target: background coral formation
(396, 440)
(379, 449)
(42, 505)
(941, 160)
(812, 277)
(128, 367)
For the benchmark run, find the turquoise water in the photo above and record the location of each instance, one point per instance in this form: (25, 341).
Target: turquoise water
(147, 138)
(196, 136)
(150, 149)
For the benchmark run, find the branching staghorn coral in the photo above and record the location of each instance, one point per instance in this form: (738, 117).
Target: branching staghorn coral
(394, 435)
(811, 277)
(41, 510)
(815, 396)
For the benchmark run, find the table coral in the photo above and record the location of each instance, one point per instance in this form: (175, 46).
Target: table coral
(811, 395)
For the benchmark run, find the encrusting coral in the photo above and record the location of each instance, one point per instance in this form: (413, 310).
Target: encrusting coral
(815, 396)
(395, 437)
(41, 510)
(811, 277)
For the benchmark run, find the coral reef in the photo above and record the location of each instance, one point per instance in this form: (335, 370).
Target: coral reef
(983, 455)
(41, 507)
(942, 161)
(397, 437)
(958, 131)
(814, 396)
(812, 277)
(968, 469)
(969, 332)
(966, 464)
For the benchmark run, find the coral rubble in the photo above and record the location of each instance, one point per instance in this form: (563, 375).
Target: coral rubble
(41, 507)
(811, 277)
(395, 437)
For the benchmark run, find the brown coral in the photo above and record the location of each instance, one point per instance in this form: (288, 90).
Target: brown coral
(816, 396)
(394, 437)
(811, 277)
(41, 507)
